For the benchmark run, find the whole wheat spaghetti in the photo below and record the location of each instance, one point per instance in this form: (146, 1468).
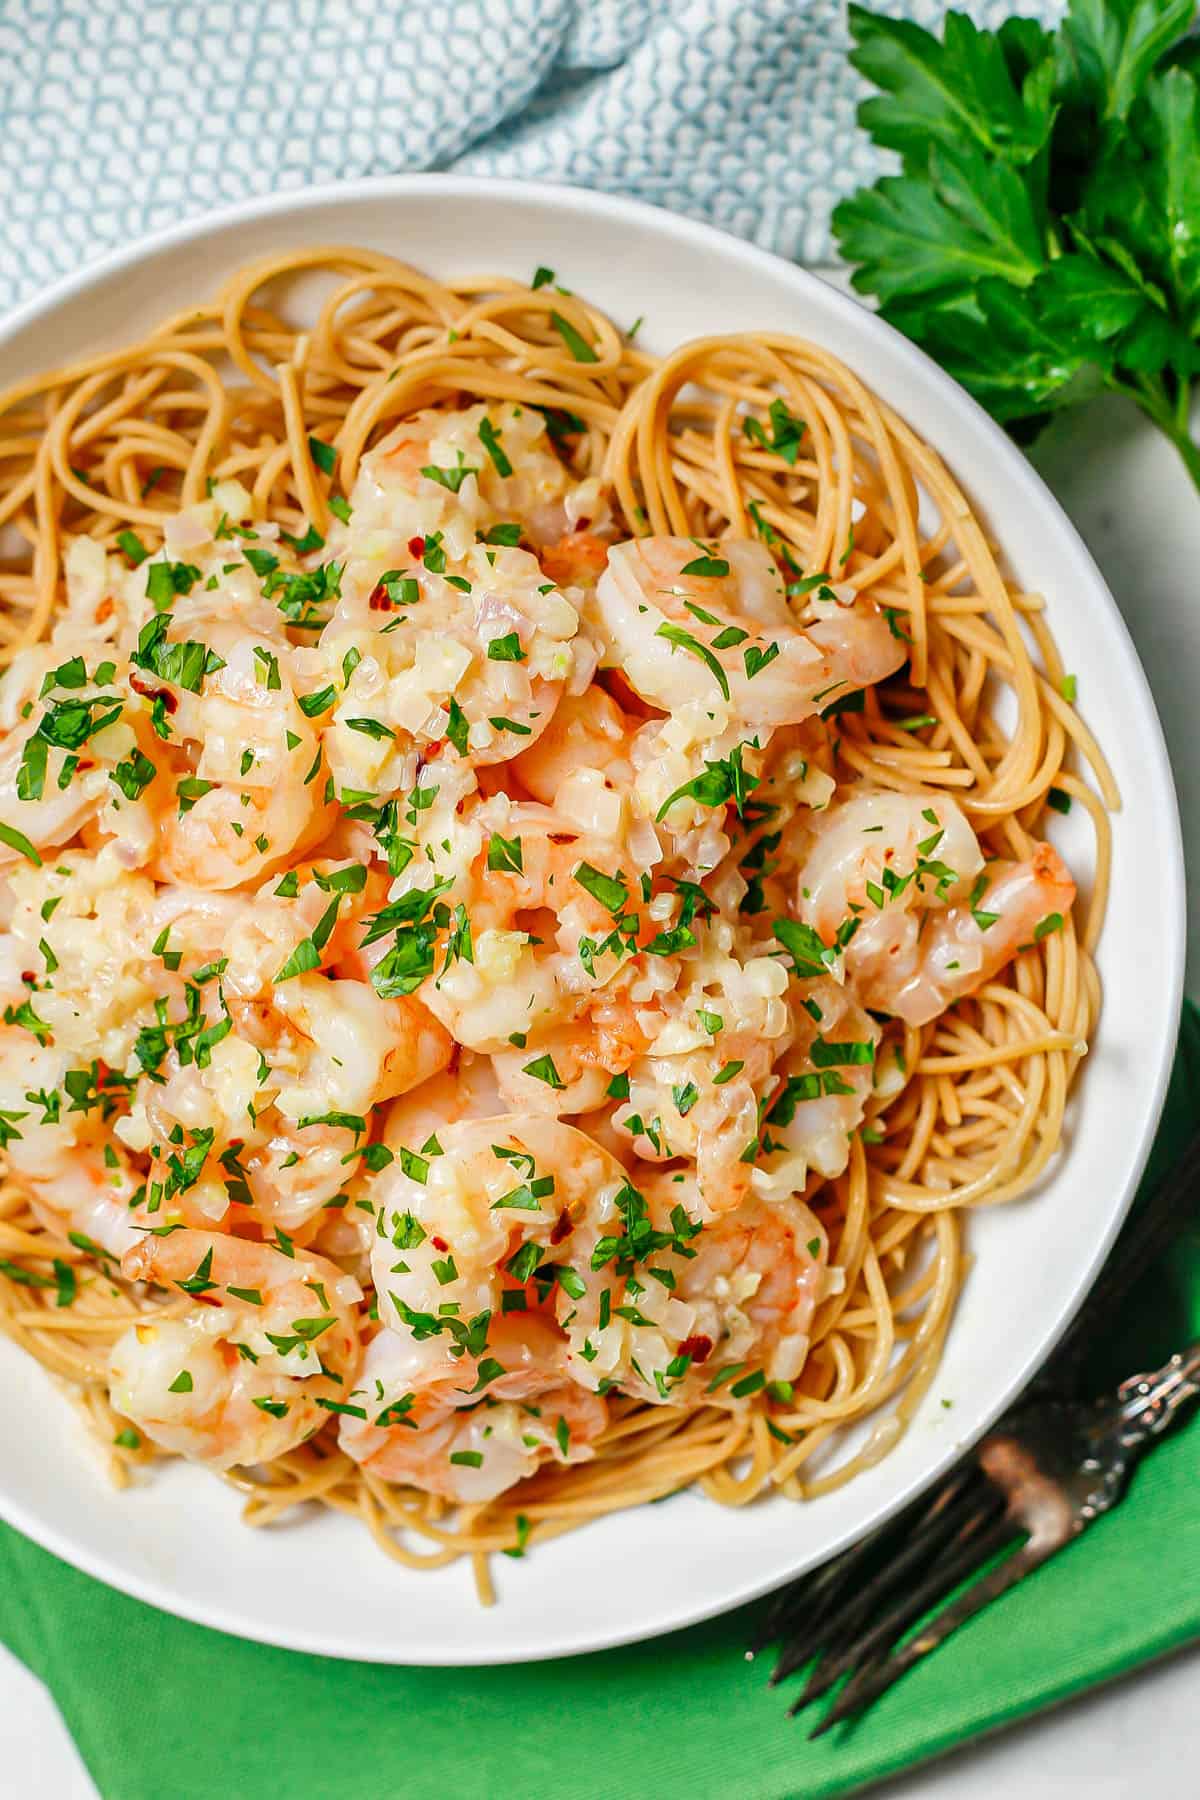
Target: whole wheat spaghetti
(763, 1069)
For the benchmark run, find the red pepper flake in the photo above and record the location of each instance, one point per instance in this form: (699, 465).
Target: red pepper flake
(699, 1348)
(416, 547)
(378, 599)
(439, 1243)
(563, 1227)
(28, 977)
(140, 685)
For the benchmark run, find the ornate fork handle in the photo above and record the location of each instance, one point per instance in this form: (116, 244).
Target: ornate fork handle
(1057, 1461)
(1147, 1404)
(1061, 1464)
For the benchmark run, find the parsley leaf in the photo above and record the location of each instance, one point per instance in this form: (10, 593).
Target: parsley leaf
(1042, 240)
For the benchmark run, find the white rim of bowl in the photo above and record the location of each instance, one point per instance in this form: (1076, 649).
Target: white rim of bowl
(560, 196)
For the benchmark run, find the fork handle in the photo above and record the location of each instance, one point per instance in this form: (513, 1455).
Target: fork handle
(1158, 1223)
(1148, 1403)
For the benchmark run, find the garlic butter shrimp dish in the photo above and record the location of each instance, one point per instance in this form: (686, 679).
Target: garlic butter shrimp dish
(530, 911)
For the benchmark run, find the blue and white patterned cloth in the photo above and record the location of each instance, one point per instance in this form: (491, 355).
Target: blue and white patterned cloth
(121, 116)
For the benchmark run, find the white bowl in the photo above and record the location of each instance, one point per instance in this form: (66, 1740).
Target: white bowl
(321, 1585)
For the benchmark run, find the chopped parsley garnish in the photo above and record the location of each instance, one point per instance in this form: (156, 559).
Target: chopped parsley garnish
(756, 660)
(372, 728)
(609, 890)
(683, 639)
(323, 454)
(132, 547)
(166, 579)
(724, 780)
(639, 1238)
(561, 424)
(504, 854)
(576, 343)
(134, 775)
(713, 567)
(313, 704)
(826, 1055)
(542, 1069)
(183, 664)
(307, 954)
(489, 437)
(16, 840)
(786, 432)
(450, 478)
(853, 702)
(312, 540)
(811, 956)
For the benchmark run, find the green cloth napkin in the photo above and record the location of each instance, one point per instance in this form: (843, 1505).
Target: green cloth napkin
(159, 1708)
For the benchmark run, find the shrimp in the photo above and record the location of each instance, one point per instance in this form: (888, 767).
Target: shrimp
(658, 1295)
(57, 1150)
(424, 1422)
(457, 644)
(917, 974)
(498, 465)
(490, 1207)
(242, 1376)
(751, 1288)
(470, 663)
(711, 1042)
(75, 1179)
(877, 851)
(250, 799)
(584, 1055)
(322, 904)
(574, 893)
(899, 882)
(578, 559)
(466, 1089)
(581, 764)
(491, 1187)
(58, 813)
(277, 1109)
(337, 1046)
(295, 1166)
(820, 1091)
(64, 734)
(663, 616)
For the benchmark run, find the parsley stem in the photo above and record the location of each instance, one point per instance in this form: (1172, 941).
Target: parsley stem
(1171, 417)
(1183, 404)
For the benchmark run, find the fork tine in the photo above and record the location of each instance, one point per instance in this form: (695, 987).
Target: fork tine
(813, 1593)
(876, 1677)
(955, 1515)
(838, 1628)
(818, 1595)
(971, 1546)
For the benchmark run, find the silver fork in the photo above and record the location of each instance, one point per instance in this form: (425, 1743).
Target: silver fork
(1052, 1466)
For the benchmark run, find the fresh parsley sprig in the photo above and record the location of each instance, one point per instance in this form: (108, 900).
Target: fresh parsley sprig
(1042, 240)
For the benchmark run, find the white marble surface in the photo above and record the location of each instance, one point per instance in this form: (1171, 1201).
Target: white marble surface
(1141, 518)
